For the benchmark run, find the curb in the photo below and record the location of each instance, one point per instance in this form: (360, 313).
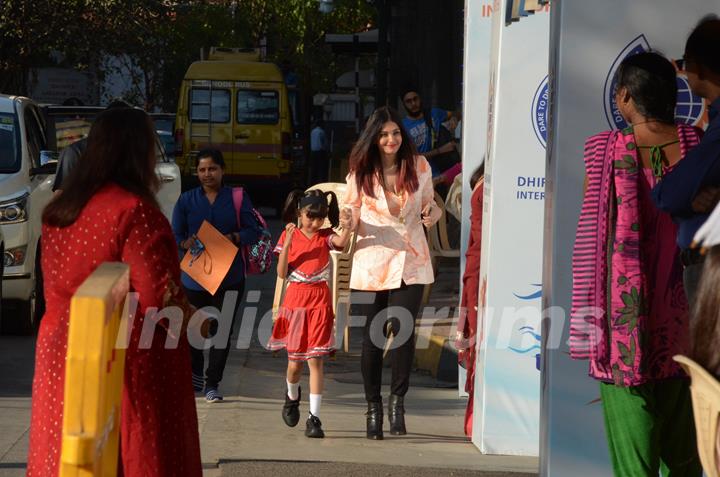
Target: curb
(439, 358)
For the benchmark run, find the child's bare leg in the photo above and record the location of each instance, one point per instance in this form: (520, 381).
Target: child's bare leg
(294, 371)
(316, 384)
(316, 375)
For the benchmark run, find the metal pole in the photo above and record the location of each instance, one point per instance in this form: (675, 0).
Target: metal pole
(356, 51)
(383, 7)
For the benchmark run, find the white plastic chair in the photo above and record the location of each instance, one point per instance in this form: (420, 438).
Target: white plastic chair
(705, 392)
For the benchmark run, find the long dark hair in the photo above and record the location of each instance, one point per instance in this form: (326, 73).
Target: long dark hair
(705, 328)
(477, 175)
(328, 209)
(651, 82)
(120, 149)
(365, 160)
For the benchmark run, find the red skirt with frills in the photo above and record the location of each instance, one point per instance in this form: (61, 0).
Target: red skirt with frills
(304, 325)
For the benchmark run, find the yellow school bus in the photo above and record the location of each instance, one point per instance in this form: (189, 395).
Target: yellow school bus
(239, 105)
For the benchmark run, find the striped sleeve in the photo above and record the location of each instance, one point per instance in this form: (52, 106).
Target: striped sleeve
(582, 315)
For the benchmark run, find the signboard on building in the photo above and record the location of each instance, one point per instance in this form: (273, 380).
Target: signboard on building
(58, 85)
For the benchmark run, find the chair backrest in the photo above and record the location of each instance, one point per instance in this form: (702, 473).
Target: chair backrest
(438, 234)
(705, 391)
(280, 286)
(337, 187)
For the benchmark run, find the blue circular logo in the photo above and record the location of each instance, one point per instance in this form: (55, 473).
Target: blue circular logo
(540, 108)
(689, 109)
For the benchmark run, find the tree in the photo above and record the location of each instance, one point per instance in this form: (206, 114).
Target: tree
(153, 41)
(31, 31)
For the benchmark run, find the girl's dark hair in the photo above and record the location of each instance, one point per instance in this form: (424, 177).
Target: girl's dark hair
(703, 43)
(121, 150)
(365, 160)
(212, 154)
(476, 175)
(705, 324)
(651, 81)
(328, 209)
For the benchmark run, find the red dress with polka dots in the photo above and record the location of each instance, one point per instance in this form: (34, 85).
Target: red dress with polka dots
(158, 420)
(305, 319)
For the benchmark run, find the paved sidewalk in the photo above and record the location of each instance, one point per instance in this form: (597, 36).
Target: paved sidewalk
(245, 434)
(247, 427)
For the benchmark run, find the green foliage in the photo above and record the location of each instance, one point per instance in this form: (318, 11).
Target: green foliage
(160, 38)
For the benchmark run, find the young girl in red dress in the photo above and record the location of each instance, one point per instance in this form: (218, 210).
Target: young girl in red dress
(305, 319)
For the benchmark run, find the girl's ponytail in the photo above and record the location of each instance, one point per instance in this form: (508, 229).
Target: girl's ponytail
(290, 209)
(333, 209)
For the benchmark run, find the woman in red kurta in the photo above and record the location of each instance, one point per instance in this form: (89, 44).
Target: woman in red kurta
(467, 327)
(108, 212)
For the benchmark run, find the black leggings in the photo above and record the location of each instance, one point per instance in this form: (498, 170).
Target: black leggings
(377, 308)
(218, 355)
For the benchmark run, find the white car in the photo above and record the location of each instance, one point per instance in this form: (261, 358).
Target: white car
(26, 178)
(67, 124)
(30, 138)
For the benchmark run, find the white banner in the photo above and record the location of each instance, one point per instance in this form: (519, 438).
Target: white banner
(476, 81)
(589, 41)
(506, 419)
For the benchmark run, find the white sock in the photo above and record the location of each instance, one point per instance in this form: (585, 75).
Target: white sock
(293, 390)
(315, 401)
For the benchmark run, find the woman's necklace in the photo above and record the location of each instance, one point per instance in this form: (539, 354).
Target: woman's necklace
(401, 200)
(399, 195)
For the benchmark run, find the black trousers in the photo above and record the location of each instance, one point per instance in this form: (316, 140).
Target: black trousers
(217, 355)
(319, 163)
(377, 308)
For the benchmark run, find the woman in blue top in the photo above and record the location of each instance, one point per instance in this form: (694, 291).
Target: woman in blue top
(213, 201)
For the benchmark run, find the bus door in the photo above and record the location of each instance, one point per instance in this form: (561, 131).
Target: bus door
(210, 117)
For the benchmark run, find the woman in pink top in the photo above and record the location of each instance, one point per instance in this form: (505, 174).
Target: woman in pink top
(390, 191)
(629, 312)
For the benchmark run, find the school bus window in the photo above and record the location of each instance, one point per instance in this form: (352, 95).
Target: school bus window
(257, 107)
(200, 104)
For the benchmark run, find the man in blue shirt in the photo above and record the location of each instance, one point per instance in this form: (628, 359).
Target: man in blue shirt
(424, 126)
(692, 189)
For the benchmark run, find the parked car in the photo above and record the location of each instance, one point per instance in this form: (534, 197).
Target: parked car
(26, 176)
(165, 129)
(67, 124)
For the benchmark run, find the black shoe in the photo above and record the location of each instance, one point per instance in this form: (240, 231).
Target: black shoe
(396, 415)
(313, 427)
(291, 410)
(374, 421)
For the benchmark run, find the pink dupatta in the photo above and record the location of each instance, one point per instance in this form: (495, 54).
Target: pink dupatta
(610, 309)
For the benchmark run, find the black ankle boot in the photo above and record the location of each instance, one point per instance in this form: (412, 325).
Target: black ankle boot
(374, 421)
(396, 415)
